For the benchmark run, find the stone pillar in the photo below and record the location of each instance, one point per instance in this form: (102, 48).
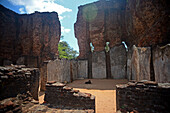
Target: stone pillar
(90, 66)
(108, 65)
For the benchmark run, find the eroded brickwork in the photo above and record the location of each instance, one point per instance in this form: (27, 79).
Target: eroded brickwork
(63, 97)
(137, 22)
(18, 79)
(143, 97)
(28, 39)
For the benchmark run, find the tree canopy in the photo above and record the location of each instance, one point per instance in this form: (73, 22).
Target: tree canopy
(65, 51)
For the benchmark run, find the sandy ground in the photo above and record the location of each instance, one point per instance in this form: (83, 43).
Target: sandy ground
(104, 91)
(41, 97)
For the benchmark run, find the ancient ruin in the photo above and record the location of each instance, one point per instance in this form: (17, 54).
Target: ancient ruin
(124, 43)
(139, 23)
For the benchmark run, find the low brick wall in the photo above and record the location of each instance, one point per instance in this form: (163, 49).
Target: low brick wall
(18, 79)
(144, 97)
(61, 96)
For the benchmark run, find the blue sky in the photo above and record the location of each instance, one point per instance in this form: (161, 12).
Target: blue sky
(67, 10)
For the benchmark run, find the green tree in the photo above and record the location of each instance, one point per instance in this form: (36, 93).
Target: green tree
(65, 51)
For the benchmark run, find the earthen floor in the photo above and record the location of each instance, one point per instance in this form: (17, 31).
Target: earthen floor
(104, 91)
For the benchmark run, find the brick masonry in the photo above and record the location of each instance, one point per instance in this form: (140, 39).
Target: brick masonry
(143, 97)
(18, 79)
(24, 103)
(61, 96)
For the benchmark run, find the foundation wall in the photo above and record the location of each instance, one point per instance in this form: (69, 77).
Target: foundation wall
(18, 79)
(63, 97)
(143, 97)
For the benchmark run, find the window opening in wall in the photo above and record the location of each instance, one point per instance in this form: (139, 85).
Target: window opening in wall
(123, 42)
(107, 48)
(92, 47)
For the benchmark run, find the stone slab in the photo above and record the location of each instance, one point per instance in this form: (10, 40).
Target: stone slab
(82, 69)
(99, 64)
(118, 62)
(140, 62)
(161, 61)
(58, 70)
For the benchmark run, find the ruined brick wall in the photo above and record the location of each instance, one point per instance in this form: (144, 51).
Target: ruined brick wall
(137, 22)
(98, 23)
(147, 22)
(143, 23)
(61, 96)
(28, 39)
(18, 79)
(143, 97)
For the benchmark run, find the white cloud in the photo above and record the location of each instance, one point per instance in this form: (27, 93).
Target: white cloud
(41, 6)
(63, 30)
(21, 10)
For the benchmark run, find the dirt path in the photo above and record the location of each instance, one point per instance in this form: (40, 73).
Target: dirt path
(105, 100)
(104, 91)
(41, 97)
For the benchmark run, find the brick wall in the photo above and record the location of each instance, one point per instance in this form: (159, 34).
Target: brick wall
(18, 79)
(144, 97)
(61, 96)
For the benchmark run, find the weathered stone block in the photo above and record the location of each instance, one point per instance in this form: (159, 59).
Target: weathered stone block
(82, 69)
(58, 70)
(161, 61)
(73, 69)
(99, 64)
(118, 62)
(140, 62)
